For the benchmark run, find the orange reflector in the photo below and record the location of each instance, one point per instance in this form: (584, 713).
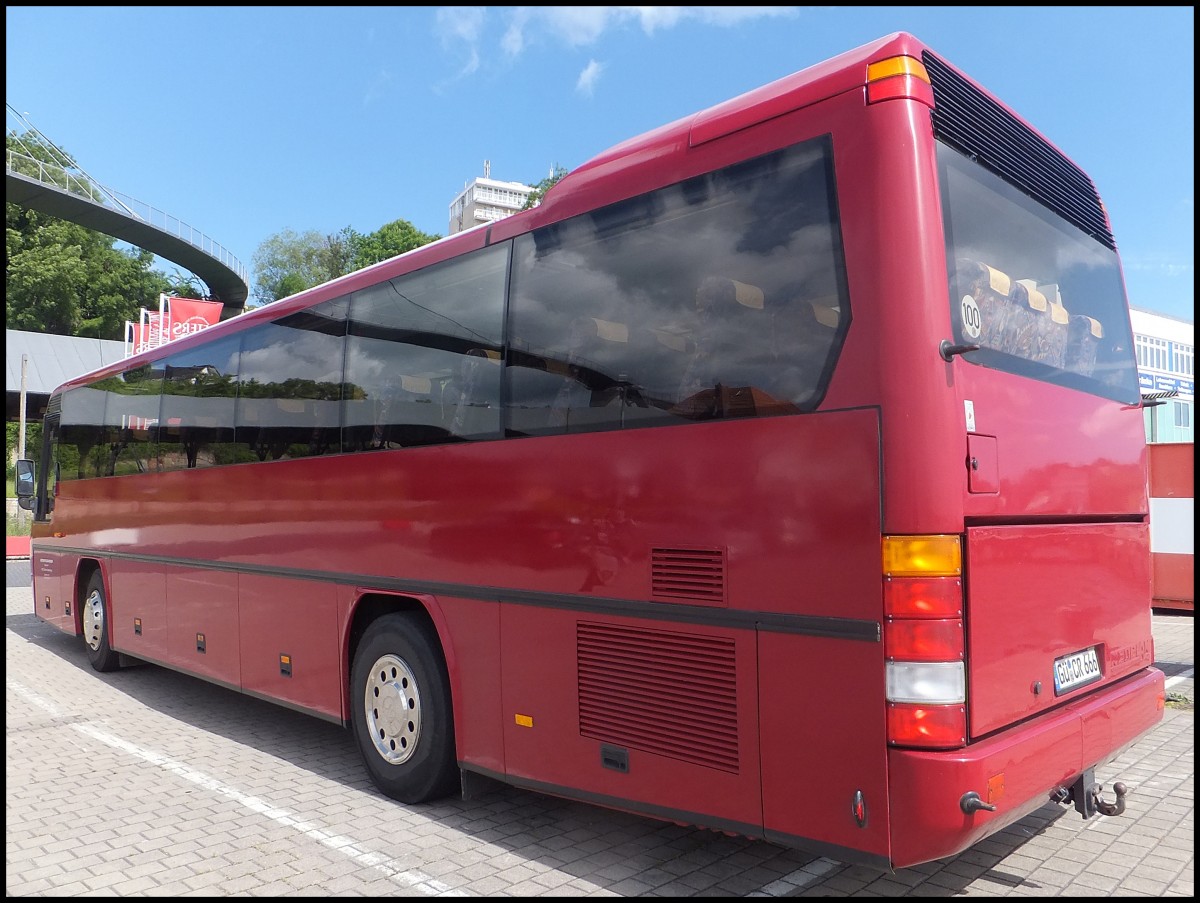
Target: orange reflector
(899, 77)
(995, 787)
(937, 555)
(524, 720)
(928, 726)
(923, 641)
(916, 597)
(897, 65)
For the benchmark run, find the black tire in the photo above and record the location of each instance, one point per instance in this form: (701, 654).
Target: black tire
(401, 710)
(93, 612)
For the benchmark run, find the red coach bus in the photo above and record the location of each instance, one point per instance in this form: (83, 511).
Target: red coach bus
(783, 473)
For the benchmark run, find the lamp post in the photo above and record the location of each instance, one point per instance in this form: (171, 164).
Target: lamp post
(21, 429)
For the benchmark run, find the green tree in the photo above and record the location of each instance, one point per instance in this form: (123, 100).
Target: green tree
(290, 262)
(64, 279)
(389, 240)
(540, 189)
(186, 285)
(118, 285)
(12, 443)
(339, 252)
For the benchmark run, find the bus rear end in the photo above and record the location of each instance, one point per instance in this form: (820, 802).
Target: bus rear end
(1016, 558)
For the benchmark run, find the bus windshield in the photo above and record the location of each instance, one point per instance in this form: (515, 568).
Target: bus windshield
(1040, 297)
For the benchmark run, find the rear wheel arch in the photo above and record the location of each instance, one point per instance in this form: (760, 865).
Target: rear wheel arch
(372, 605)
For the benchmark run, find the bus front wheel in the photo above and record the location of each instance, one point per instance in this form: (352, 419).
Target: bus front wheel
(401, 710)
(95, 626)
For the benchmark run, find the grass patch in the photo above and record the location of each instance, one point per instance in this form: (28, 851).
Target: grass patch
(17, 524)
(1180, 701)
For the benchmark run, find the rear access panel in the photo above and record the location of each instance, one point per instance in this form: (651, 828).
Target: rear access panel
(1053, 613)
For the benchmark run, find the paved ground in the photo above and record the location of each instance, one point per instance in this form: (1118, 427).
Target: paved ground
(149, 783)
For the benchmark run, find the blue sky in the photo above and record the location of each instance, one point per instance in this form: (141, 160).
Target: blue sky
(247, 121)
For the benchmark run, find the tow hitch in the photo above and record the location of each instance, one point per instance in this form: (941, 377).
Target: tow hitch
(1085, 794)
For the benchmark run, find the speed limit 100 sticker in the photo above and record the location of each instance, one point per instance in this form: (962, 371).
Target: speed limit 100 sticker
(972, 322)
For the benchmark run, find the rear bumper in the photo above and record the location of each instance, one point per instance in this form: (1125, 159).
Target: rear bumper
(1015, 770)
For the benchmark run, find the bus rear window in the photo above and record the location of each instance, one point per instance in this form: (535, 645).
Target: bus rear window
(1039, 296)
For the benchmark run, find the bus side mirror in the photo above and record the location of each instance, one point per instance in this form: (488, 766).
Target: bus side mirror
(24, 484)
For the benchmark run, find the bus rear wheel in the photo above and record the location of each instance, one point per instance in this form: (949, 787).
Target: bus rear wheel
(95, 626)
(401, 710)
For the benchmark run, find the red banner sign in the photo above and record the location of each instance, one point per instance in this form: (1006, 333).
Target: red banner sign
(187, 315)
(174, 319)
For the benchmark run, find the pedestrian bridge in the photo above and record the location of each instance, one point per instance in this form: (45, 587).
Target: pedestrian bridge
(58, 187)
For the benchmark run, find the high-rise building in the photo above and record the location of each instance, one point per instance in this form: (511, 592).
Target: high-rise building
(1166, 359)
(485, 200)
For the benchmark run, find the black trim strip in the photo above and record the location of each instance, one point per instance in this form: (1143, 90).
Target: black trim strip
(770, 622)
(752, 831)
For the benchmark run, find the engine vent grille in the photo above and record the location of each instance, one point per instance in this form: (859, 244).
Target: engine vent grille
(689, 575)
(972, 122)
(672, 694)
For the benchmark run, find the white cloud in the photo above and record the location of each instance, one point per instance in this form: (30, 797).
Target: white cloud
(586, 84)
(577, 26)
(1158, 263)
(465, 29)
(462, 26)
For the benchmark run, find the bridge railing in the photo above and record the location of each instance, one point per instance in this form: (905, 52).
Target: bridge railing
(81, 186)
(54, 175)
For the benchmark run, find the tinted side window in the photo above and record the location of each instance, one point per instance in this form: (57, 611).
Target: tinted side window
(129, 442)
(423, 355)
(48, 469)
(82, 448)
(290, 384)
(199, 398)
(721, 296)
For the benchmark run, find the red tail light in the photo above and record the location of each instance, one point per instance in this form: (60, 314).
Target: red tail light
(924, 641)
(915, 597)
(927, 726)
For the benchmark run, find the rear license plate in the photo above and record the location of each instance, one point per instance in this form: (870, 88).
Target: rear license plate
(1076, 670)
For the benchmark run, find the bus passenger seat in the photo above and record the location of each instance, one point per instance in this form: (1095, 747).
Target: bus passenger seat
(586, 382)
(802, 332)
(990, 290)
(401, 417)
(1083, 340)
(1057, 331)
(1038, 323)
(825, 314)
(717, 342)
(475, 390)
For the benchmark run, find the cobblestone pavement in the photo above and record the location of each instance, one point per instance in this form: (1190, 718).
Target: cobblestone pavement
(144, 782)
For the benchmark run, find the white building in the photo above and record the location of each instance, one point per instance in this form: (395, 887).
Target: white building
(1166, 358)
(486, 200)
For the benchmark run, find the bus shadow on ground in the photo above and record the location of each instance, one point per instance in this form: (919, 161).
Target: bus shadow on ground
(532, 825)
